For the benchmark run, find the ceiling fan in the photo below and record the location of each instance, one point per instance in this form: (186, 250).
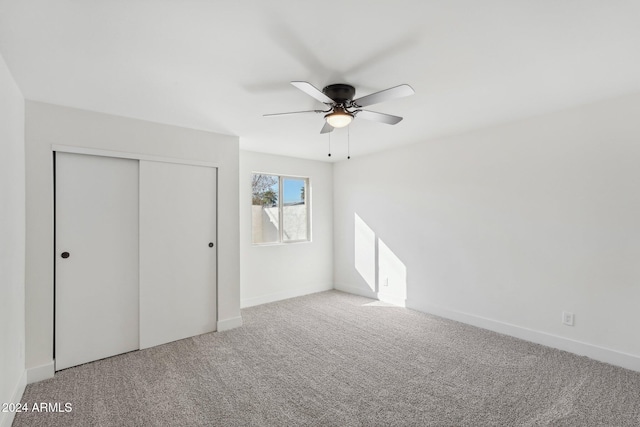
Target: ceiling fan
(342, 108)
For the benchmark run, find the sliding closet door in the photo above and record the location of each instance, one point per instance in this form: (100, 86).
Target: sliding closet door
(177, 251)
(96, 280)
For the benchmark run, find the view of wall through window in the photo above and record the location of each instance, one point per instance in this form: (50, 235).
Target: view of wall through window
(280, 209)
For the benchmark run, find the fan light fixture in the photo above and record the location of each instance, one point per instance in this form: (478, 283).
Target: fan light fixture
(339, 118)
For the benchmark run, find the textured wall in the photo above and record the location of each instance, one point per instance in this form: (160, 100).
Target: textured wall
(506, 227)
(12, 240)
(274, 272)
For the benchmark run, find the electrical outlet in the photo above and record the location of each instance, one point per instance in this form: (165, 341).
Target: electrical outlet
(385, 282)
(567, 318)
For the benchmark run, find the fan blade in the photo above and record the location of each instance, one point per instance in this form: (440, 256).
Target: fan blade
(327, 128)
(293, 112)
(384, 95)
(313, 91)
(379, 117)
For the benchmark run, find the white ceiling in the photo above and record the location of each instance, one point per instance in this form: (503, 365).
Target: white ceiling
(219, 65)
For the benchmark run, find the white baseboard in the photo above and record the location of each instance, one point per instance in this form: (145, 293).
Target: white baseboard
(355, 290)
(6, 418)
(279, 296)
(227, 324)
(602, 354)
(42, 372)
(580, 348)
(391, 299)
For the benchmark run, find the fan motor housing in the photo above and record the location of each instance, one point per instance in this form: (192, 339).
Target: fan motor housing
(340, 92)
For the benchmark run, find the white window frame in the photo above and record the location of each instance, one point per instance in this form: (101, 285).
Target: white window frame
(307, 202)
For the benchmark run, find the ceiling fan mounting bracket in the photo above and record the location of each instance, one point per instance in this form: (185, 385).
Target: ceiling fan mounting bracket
(340, 92)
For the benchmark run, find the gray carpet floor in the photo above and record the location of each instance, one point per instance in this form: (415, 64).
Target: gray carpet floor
(334, 359)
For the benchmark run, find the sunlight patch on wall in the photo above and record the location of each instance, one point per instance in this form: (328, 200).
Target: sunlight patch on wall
(365, 252)
(392, 274)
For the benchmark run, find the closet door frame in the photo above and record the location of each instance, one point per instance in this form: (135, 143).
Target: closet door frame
(135, 156)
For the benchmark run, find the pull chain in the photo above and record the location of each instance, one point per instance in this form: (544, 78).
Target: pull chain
(329, 144)
(348, 142)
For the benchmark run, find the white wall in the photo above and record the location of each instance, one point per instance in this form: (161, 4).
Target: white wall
(274, 272)
(506, 227)
(12, 241)
(49, 124)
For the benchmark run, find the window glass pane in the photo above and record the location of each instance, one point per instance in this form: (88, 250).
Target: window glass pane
(264, 210)
(294, 209)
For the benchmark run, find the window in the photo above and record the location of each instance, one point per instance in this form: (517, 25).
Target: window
(280, 209)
